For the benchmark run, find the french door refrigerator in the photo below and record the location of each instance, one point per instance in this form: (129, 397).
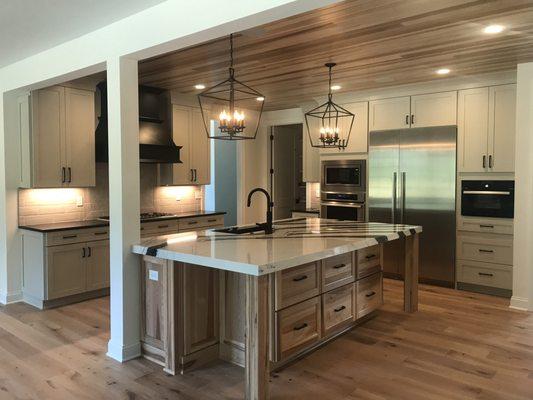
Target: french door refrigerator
(411, 181)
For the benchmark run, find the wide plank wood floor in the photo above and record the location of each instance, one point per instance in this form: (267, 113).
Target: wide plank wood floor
(458, 346)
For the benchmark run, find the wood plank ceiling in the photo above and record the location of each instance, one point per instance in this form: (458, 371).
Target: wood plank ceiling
(376, 43)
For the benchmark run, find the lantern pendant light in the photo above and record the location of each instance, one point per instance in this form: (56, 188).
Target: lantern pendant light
(234, 105)
(329, 125)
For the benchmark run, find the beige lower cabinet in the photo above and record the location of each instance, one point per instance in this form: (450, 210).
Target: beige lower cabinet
(98, 265)
(66, 269)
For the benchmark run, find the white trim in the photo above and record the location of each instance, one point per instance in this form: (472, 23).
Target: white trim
(519, 303)
(8, 298)
(123, 353)
(33, 301)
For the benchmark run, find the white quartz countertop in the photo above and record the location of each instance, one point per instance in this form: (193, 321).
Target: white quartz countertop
(294, 242)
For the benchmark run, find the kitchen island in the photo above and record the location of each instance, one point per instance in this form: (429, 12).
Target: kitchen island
(263, 300)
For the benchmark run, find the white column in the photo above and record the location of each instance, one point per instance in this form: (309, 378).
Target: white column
(124, 207)
(523, 221)
(10, 240)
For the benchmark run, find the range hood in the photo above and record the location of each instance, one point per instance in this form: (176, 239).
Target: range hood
(155, 134)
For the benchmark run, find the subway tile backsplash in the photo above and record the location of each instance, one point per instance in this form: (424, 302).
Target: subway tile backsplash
(39, 206)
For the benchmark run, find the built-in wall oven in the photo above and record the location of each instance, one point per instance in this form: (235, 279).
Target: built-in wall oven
(493, 199)
(343, 189)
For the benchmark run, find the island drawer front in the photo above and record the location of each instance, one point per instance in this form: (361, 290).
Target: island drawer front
(297, 284)
(337, 271)
(485, 274)
(209, 221)
(76, 236)
(368, 261)
(369, 294)
(338, 309)
(496, 249)
(298, 327)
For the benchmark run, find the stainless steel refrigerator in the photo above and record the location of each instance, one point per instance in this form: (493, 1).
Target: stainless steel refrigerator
(411, 180)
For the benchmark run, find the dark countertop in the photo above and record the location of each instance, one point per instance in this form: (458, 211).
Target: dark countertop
(307, 210)
(94, 223)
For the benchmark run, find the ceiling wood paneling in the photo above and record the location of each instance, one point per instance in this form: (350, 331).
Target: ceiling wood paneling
(376, 43)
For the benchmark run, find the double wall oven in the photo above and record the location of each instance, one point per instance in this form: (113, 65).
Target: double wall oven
(343, 189)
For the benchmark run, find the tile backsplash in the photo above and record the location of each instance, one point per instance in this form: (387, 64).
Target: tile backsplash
(39, 206)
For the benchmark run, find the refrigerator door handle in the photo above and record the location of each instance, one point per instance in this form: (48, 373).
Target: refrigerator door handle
(394, 197)
(402, 210)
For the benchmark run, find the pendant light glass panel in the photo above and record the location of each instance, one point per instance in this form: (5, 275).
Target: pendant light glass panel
(235, 106)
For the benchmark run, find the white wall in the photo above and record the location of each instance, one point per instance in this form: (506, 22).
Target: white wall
(523, 221)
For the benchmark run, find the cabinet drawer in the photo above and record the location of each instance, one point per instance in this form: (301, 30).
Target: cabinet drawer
(337, 271)
(485, 225)
(297, 284)
(298, 327)
(368, 261)
(369, 294)
(485, 247)
(192, 224)
(337, 309)
(76, 236)
(485, 274)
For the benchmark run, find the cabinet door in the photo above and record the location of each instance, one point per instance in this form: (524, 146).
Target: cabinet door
(389, 113)
(472, 129)
(97, 265)
(199, 290)
(434, 109)
(66, 266)
(79, 137)
(358, 142)
(48, 144)
(181, 126)
(502, 118)
(200, 149)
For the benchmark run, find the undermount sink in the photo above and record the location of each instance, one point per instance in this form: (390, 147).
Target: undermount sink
(239, 230)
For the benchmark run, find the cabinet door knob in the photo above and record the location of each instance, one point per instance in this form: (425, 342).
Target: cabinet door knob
(192, 175)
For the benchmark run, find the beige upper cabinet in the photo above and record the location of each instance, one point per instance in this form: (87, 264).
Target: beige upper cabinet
(59, 139)
(486, 129)
(434, 109)
(358, 142)
(188, 131)
(391, 113)
(502, 120)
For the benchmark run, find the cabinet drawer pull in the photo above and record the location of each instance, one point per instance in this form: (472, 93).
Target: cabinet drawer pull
(83, 253)
(63, 175)
(300, 327)
(162, 226)
(485, 251)
(484, 274)
(412, 119)
(192, 222)
(300, 278)
(101, 233)
(70, 236)
(490, 161)
(339, 266)
(484, 162)
(371, 256)
(486, 226)
(372, 293)
(340, 309)
(69, 175)
(407, 120)
(142, 229)
(90, 251)
(212, 220)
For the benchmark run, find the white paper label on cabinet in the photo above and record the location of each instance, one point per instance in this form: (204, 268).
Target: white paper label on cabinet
(153, 275)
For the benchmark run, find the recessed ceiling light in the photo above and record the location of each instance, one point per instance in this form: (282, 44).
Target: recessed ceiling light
(260, 98)
(336, 87)
(443, 71)
(199, 86)
(492, 29)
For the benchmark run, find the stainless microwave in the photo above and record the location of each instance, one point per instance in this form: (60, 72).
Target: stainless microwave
(343, 176)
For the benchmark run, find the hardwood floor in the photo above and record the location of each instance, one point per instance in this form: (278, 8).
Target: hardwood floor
(458, 346)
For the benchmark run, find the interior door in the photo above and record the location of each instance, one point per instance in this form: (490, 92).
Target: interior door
(79, 137)
(393, 113)
(284, 173)
(97, 265)
(200, 149)
(383, 175)
(48, 130)
(427, 197)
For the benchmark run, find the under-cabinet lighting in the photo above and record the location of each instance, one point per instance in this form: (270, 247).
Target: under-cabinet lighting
(54, 196)
(493, 29)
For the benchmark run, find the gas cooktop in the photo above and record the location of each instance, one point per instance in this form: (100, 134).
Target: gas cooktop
(145, 216)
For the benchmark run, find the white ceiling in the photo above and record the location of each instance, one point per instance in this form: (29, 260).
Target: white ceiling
(28, 27)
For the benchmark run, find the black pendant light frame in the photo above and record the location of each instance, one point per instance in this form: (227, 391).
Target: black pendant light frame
(331, 113)
(231, 87)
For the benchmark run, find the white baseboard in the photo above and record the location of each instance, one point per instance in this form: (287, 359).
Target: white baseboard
(123, 353)
(519, 303)
(8, 298)
(34, 301)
